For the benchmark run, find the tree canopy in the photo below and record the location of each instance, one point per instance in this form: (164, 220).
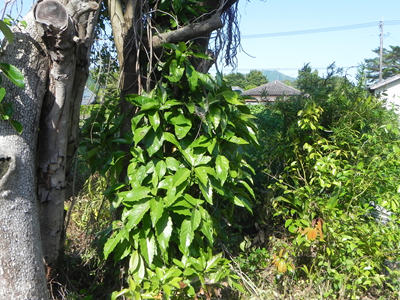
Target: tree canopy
(248, 81)
(390, 63)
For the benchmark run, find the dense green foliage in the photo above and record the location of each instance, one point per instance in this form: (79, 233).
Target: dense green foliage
(185, 178)
(326, 155)
(248, 81)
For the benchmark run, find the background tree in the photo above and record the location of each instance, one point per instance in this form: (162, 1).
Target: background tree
(390, 66)
(254, 79)
(236, 79)
(248, 81)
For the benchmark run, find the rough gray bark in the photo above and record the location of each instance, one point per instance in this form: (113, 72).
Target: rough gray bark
(22, 271)
(53, 54)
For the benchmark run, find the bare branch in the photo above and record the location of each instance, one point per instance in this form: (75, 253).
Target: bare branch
(188, 32)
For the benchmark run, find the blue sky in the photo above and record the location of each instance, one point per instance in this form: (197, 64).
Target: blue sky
(289, 53)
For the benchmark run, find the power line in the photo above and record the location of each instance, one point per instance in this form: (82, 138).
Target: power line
(319, 30)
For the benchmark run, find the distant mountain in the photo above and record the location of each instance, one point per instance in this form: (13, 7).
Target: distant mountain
(273, 75)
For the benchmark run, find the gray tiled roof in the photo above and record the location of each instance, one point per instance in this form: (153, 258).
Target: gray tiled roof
(384, 82)
(275, 88)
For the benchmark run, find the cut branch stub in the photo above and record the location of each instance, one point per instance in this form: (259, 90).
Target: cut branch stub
(7, 170)
(51, 13)
(4, 166)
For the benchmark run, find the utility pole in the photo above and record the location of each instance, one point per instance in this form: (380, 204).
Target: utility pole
(381, 51)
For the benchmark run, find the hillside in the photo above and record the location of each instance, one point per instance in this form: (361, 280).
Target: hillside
(273, 75)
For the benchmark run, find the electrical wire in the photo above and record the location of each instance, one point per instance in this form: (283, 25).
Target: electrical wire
(319, 30)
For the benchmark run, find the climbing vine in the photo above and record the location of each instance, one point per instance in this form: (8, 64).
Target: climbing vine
(186, 175)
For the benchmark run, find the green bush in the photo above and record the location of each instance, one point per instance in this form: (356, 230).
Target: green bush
(335, 150)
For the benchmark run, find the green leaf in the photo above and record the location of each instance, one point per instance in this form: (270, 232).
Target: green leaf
(172, 164)
(154, 182)
(17, 126)
(189, 156)
(248, 188)
(136, 266)
(231, 97)
(154, 119)
(190, 106)
(193, 201)
(180, 176)
(207, 229)
(139, 100)
(175, 71)
(13, 74)
(161, 169)
(182, 46)
(211, 263)
(215, 116)
(156, 210)
(111, 243)
(202, 174)
(207, 192)
(140, 133)
(164, 231)
(24, 24)
(136, 119)
(222, 168)
(182, 125)
(2, 93)
(154, 141)
(181, 130)
(148, 248)
(236, 140)
(170, 45)
(169, 137)
(134, 195)
(136, 213)
(191, 75)
(150, 106)
(6, 31)
(207, 80)
(203, 160)
(186, 236)
(243, 202)
(167, 290)
(195, 219)
(168, 104)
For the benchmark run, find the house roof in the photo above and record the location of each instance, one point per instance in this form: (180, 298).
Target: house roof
(237, 88)
(88, 96)
(275, 88)
(384, 82)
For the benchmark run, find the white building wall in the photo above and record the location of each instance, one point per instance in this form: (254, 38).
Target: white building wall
(390, 92)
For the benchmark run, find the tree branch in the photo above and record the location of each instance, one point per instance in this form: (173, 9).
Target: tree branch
(188, 32)
(117, 23)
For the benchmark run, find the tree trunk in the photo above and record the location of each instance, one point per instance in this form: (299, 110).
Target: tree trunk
(52, 52)
(22, 272)
(68, 49)
(138, 44)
